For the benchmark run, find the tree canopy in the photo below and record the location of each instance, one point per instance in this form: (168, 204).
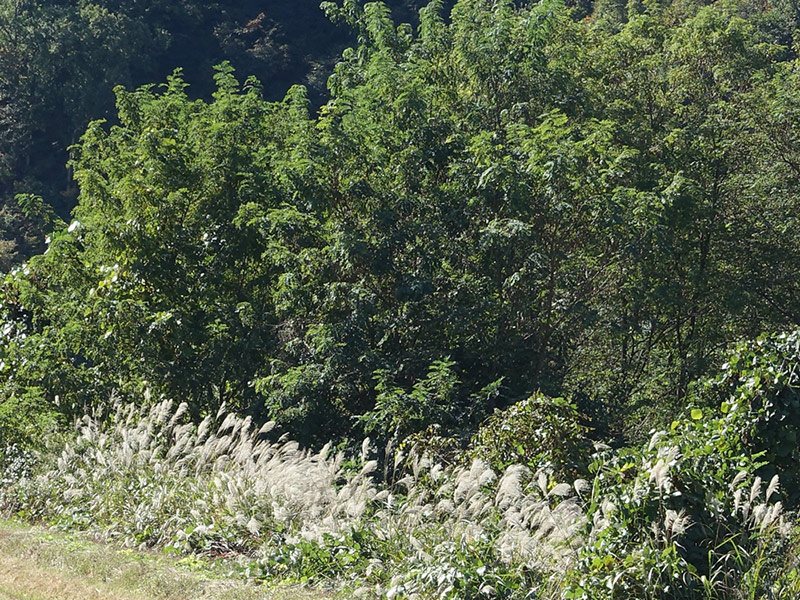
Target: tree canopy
(504, 199)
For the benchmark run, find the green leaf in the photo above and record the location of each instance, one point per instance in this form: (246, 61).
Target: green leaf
(697, 414)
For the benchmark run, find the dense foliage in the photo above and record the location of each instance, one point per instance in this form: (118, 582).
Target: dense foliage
(502, 202)
(514, 232)
(60, 59)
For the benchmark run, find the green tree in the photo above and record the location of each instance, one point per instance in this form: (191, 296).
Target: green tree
(506, 202)
(58, 63)
(679, 93)
(164, 279)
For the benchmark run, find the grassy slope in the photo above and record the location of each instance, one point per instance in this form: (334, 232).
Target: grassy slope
(38, 565)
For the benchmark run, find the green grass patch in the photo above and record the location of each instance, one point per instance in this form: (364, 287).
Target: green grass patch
(38, 564)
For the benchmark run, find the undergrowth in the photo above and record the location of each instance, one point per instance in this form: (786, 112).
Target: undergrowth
(687, 516)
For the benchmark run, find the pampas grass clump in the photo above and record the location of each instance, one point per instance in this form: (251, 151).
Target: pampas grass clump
(150, 478)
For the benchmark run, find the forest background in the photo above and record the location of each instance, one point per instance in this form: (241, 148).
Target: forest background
(538, 234)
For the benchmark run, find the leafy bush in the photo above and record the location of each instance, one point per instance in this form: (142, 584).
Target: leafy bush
(540, 432)
(399, 413)
(685, 516)
(758, 391)
(25, 421)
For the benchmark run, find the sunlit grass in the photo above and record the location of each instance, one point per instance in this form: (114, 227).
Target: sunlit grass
(36, 563)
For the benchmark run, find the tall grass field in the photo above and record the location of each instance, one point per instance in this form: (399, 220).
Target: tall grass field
(406, 526)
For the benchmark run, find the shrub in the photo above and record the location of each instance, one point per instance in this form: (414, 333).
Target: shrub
(758, 391)
(540, 432)
(685, 516)
(25, 421)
